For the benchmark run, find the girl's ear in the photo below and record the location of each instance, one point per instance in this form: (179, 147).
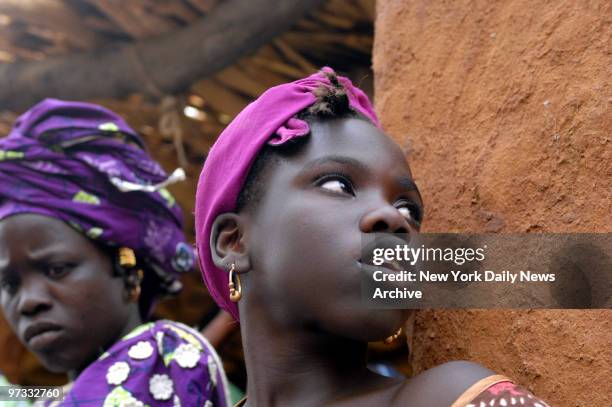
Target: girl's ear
(228, 244)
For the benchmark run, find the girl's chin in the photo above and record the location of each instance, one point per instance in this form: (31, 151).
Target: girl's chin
(376, 325)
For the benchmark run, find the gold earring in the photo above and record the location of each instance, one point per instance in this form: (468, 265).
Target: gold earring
(393, 337)
(127, 257)
(135, 293)
(137, 290)
(235, 294)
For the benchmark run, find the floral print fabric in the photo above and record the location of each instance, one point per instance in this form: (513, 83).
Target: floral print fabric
(158, 364)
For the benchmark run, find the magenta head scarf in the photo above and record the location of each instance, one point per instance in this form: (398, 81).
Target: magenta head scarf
(268, 120)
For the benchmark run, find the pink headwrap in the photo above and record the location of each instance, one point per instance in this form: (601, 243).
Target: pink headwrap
(268, 120)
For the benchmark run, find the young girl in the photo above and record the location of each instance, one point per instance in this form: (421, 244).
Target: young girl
(89, 239)
(284, 199)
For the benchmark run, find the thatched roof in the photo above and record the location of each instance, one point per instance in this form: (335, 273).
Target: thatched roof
(37, 29)
(338, 33)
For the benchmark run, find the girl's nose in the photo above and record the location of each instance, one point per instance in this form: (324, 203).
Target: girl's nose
(385, 219)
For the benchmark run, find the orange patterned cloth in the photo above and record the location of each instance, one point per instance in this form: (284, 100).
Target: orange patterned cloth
(498, 391)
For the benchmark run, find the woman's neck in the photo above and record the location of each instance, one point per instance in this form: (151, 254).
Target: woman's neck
(292, 367)
(133, 321)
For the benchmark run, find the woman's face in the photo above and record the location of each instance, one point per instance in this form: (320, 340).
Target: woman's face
(305, 236)
(58, 292)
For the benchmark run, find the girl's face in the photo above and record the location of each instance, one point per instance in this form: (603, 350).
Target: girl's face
(58, 292)
(305, 236)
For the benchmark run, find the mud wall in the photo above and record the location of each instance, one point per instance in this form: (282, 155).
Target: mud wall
(505, 108)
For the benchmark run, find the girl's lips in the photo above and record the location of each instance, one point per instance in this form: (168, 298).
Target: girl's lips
(392, 265)
(384, 241)
(387, 265)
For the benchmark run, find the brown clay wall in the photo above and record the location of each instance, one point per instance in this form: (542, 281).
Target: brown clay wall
(506, 110)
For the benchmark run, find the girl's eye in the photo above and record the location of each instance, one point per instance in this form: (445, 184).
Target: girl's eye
(336, 184)
(58, 270)
(411, 212)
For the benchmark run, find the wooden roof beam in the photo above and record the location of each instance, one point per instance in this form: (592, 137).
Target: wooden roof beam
(166, 64)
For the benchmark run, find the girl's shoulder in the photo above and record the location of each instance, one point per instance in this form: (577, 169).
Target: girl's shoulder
(441, 385)
(463, 384)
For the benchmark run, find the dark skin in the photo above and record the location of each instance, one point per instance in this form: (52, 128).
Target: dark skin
(304, 329)
(59, 293)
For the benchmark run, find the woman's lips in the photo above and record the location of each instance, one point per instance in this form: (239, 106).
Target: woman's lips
(40, 335)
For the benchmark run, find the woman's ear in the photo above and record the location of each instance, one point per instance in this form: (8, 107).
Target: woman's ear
(228, 244)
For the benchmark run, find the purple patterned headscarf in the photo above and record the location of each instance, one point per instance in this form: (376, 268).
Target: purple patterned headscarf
(82, 163)
(268, 120)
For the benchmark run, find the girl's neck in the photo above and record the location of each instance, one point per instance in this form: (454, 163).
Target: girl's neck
(293, 367)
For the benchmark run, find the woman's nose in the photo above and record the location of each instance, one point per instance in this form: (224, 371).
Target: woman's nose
(385, 219)
(33, 297)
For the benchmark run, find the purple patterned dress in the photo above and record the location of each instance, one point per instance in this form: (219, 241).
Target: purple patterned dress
(161, 363)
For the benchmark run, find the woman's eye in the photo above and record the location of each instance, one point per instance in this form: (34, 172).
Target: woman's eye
(337, 185)
(9, 284)
(58, 270)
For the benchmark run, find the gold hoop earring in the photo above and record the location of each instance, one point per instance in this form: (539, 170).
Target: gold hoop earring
(393, 337)
(135, 293)
(235, 294)
(137, 290)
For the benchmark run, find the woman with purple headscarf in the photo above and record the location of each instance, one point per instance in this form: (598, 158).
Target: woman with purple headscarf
(89, 239)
